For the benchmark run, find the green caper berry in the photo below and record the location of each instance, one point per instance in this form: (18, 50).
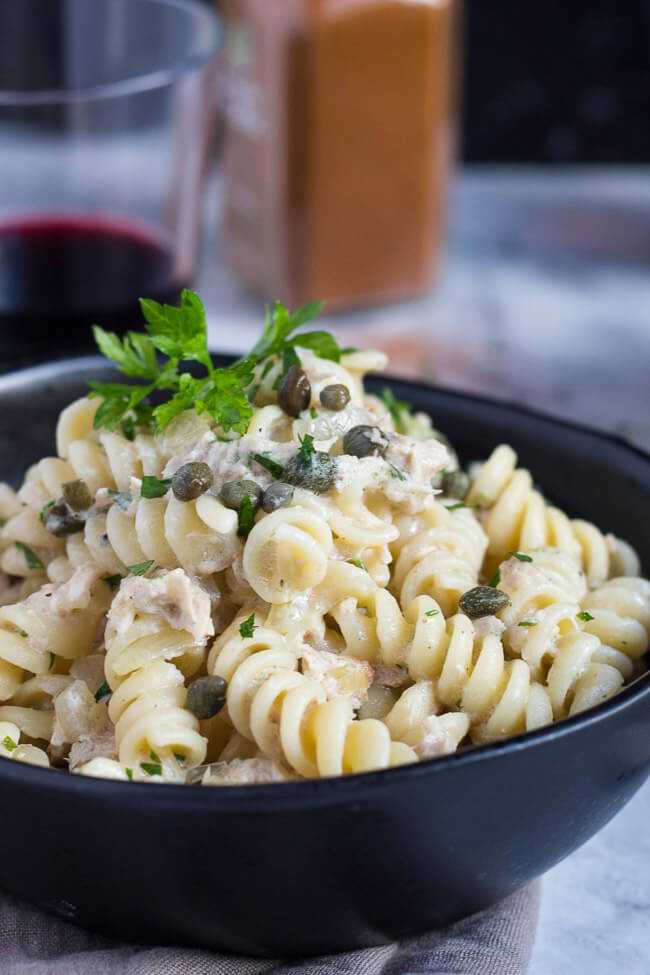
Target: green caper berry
(76, 495)
(233, 493)
(61, 521)
(335, 397)
(365, 441)
(294, 392)
(455, 484)
(206, 696)
(191, 481)
(316, 474)
(277, 495)
(483, 601)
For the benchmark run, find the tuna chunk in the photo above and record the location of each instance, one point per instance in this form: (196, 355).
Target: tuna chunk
(100, 745)
(183, 603)
(339, 675)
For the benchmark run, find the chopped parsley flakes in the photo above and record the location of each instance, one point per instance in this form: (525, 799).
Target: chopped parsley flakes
(32, 559)
(248, 627)
(103, 691)
(247, 512)
(272, 466)
(141, 568)
(152, 487)
(585, 616)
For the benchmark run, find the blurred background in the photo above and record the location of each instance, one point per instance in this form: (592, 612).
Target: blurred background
(466, 184)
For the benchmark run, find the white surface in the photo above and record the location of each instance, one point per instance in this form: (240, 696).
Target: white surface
(523, 312)
(595, 917)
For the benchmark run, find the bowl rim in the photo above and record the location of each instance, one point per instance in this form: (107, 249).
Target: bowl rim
(323, 791)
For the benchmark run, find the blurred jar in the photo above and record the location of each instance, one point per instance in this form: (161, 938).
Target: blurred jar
(340, 125)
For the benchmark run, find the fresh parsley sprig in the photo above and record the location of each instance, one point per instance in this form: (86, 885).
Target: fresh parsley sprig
(181, 335)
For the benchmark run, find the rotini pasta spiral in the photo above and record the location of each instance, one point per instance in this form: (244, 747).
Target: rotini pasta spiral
(54, 622)
(10, 747)
(288, 715)
(286, 553)
(199, 536)
(440, 557)
(143, 637)
(620, 611)
(517, 518)
(414, 720)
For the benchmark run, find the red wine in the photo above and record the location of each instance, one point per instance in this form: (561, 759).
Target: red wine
(61, 274)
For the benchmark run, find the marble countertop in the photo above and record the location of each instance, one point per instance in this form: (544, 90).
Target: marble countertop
(543, 298)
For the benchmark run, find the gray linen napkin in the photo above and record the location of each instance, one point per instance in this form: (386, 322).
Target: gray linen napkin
(497, 941)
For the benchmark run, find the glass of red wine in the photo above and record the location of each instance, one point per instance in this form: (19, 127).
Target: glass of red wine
(106, 122)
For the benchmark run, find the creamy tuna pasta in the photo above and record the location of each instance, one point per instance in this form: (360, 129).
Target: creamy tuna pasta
(272, 575)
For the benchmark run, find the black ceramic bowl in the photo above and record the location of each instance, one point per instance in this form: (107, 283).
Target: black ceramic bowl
(326, 865)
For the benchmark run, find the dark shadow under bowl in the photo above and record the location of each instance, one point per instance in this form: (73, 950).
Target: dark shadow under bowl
(322, 866)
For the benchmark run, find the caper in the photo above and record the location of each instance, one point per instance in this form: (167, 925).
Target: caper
(277, 495)
(317, 474)
(61, 521)
(76, 495)
(294, 392)
(365, 441)
(191, 481)
(233, 493)
(206, 696)
(455, 484)
(335, 397)
(483, 601)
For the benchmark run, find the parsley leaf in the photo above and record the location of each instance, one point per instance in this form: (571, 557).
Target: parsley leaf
(180, 333)
(247, 628)
(359, 564)
(432, 612)
(9, 743)
(134, 354)
(495, 580)
(272, 466)
(129, 774)
(396, 472)
(141, 568)
(306, 448)
(527, 623)
(32, 559)
(151, 768)
(520, 556)
(152, 487)
(103, 691)
(52, 660)
(322, 344)
(397, 408)
(455, 507)
(45, 509)
(247, 511)
(585, 616)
